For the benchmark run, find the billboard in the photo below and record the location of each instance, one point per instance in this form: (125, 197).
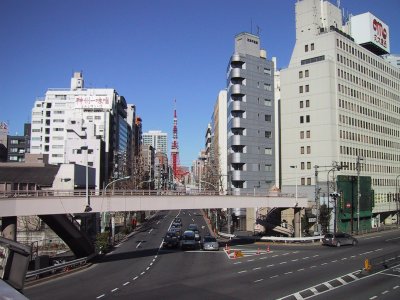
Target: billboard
(93, 101)
(368, 30)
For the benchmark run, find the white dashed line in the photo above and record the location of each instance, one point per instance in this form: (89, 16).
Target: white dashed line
(147, 268)
(274, 276)
(299, 270)
(101, 296)
(151, 264)
(328, 285)
(316, 255)
(290, 272)
(282, 263)
(385, 292)
(259, 280)
(323, 264)
(344, 258)
(256, 268)
(142, 273)
(158, 222)
(275, 255)
(334, 260)
(126, 283)
(244, 271)
(270, 266)
(150, 230)
(236, 263)
(138, 244)
(374, 297)
(263, 257)
(313, 267)
(313, 289)
(114, 290)
(396, 287)
(295, 259)
(306, 257)
(250, 260)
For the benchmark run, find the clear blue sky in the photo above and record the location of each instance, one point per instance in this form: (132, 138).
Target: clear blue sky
(151, 52)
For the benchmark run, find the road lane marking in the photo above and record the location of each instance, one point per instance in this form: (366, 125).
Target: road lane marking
(344, 258)
(282, 263)
(244, 271)
(334, 260)
(374, 297)
(328, 285)
(299, 270)
(151, 264)
(274, 276)
(323, 264)
(314, 290)
(396, 238)
(342, 281)
(295, 259)
(396, 287)
(126, 283)
(147, 268)
(316, 255)
(142, 273)
(385, 292)
(313, 267)
(275, 255)
(135, 278)
(290, 272)
(256, 268)
(270, 266)
(138, 244)
(298, 296)
(236, 263)
(258, 280)
(250, 260)
(101, 296)
(114, 290)
(306, 257)
(150, 230)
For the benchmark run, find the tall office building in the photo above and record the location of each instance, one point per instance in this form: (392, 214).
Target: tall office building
(64, 110)
(157, 139)
(340, 100)
(250, 105)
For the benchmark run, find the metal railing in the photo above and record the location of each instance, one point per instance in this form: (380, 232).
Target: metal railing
(101, 193)
(59, 267)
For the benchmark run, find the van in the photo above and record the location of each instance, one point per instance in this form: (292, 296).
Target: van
(188, 240)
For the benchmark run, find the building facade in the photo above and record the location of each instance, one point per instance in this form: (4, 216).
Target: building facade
(157, 139)
(340, 104)
(251, 133)
(101, 109)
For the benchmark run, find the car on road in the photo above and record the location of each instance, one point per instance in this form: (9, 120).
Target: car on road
(170, 240)
(177, 231)
(193, 227)
(339, 239)
(188, 240)
(210, 243)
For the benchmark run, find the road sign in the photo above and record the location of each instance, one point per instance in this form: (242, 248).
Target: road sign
(312, 220)
(348, 205)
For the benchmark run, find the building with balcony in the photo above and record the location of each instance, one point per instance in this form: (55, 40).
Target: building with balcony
(250, 119)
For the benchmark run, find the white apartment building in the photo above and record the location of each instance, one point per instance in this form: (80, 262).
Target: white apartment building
(74, 110)
(340, 100)
(157, 139)
(220, 138)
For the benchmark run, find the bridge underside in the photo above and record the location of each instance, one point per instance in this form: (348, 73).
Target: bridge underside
(26, 206)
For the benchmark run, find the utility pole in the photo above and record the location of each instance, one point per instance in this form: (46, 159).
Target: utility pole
(316, 199)
(358, 168)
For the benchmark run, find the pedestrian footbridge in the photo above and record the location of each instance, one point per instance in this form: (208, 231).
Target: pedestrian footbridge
(48, 202)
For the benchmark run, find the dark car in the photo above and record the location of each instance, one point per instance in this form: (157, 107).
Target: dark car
(339, 239)
(170, 240)
(178, 220)
(188, 240)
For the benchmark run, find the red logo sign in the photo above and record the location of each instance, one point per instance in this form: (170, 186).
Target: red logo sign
(380, 33)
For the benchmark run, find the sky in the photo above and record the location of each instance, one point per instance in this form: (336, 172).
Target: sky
(150, 51)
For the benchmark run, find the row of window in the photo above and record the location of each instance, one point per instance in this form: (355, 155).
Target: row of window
(305, 88)
(306, 74)
(371, 127)
(373, 75)
(366, 58)
(307, 134)
(369, 153)
(307, 118)
(303, 148)
(311, 47)
(307, 102)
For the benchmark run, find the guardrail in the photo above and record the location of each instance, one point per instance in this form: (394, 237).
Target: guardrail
(382, 262)
(63, 266)
(292, 239)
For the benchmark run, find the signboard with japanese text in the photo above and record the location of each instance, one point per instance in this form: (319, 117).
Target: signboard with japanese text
(93, 101)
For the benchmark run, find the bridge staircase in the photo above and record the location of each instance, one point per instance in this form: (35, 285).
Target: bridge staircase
(69, 230)
(273, 224)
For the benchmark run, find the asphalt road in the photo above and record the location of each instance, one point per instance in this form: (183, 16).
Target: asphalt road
(140, 269)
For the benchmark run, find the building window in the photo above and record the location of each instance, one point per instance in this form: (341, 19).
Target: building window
(268, 168)
(312, 46)
(302, 150)
(302, 165)
(267, 87)
(308, 149)
(300, 74)
(301, 89)
(308, 181)
(14, 142)
(268, 151)
(306, 73)
(307, 103)
(301, 104)
(308, 119)
(306, 48)
(307, 88)
(308, 165)
(308, 134)
(267, 102)
(268, 118)
(301, 134)
(268, 134)
(301, 119)
(267, 71)
(303, 182)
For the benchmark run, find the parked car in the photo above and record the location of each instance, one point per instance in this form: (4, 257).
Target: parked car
(210, 243)
(339, 239)
(170, 240)
(188, 240)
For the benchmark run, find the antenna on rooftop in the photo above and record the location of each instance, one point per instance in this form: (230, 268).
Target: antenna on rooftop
(338, 3)
(258, 31)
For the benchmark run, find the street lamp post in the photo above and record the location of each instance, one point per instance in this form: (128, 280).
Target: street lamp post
(295, 167)
(108, 208)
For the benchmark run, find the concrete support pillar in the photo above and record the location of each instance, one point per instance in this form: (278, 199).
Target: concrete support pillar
(297, 222)
(9, 227)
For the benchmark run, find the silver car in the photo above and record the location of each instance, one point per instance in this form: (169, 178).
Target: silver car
(339, 239)
(210, 244)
